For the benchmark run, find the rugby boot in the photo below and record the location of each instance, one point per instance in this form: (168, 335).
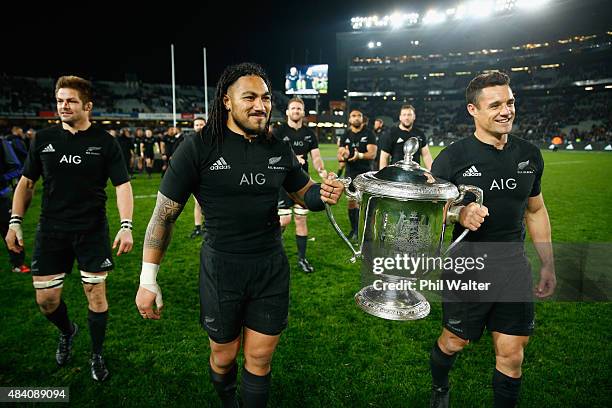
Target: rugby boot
(63, 354)
(21, 269)
(439, 397)
(305, 266)
(99, 372)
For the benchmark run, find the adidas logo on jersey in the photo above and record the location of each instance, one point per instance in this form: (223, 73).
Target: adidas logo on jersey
(220, 164)
(400, 140)
(107, 262)
(286, 139)
(472, 172)
(48, 149)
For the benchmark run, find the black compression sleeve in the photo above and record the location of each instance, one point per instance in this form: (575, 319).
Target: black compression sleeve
(312, 198)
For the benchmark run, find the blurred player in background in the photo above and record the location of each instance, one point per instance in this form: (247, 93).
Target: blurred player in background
(303, 141)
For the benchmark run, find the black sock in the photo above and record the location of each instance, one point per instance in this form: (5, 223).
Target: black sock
(255, 389)
(59, 317)
(149, 170)
(225, 385)
(198, 227)
(440, 364)
(97, 329)
(351, 215)
(301, 241)
(505, 390)
(354, 218)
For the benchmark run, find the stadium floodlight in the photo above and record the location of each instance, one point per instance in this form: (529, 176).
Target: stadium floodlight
(504, 5)
(371, 44)
(397, 20)
(531, 4)
(480, 8)
(434, 17)
(460, 12)
(378, 43)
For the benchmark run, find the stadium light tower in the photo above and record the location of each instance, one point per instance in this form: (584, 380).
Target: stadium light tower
(434, 17)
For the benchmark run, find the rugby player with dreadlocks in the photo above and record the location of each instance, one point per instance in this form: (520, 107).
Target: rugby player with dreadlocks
(235, 168)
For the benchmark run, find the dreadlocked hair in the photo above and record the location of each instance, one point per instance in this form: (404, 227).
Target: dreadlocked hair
(215, 127)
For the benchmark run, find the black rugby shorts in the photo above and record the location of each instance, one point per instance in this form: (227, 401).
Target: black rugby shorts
(55, 252)
(243, 291)
(509, 309)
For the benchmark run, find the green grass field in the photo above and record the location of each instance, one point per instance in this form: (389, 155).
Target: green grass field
(332, 354)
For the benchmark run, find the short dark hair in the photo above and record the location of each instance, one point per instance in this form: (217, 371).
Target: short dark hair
(482, 81)
(82, 86)
(408, 106)
(295, 99)
(199, 118)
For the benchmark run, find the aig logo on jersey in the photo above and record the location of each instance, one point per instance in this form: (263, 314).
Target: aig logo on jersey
(70, 159)
(525, 168)
(250, 179)
(503, 184)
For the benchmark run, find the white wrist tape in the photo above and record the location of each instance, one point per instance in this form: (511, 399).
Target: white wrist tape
(148, 274)
(18, 231)
(148, 280)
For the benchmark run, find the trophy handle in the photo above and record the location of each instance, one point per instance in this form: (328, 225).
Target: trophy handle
(353, 195)
(464, 188)
(332, 220)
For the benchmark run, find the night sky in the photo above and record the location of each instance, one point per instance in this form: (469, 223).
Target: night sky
(106, 42)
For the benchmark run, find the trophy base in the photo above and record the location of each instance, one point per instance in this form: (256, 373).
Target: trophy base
(393, 305)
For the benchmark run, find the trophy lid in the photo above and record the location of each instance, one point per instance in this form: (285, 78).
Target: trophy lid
(406, 180)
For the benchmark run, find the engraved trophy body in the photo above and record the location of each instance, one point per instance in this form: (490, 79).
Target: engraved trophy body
(403, 214)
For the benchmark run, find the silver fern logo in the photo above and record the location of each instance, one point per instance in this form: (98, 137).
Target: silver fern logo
(273, 160)
(523, 165)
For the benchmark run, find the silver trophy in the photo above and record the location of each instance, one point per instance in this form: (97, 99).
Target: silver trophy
(403, 212)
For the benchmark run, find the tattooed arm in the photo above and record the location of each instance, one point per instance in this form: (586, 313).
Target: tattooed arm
(159, 230)
(157, 239)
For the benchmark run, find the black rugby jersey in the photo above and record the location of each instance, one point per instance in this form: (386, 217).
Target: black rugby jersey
(75, 169)
(359, 141)
(237, 187)
(302, 140)
(127, 145)
(149, 145)
(393, 143)
(171, 143)
(507, 178)
(137, 141)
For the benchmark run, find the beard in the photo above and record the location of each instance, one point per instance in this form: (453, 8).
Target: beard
(251, 131)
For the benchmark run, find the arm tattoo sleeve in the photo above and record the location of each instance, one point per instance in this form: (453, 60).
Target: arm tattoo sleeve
(159, 230)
